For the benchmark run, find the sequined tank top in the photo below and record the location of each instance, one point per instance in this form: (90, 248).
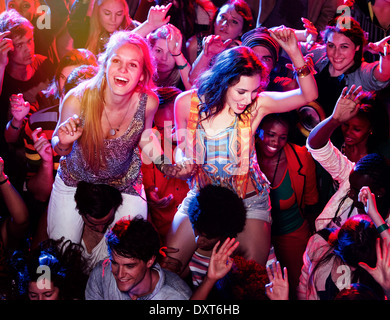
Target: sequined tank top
(123, 169)
(228, 158)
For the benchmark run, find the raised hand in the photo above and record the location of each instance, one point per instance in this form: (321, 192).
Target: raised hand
(381, 272)
(19, 107)
(381, 46)
(70, 130)
(157, 15)
(6, 45)
(42, 145)
(174, 40)
(348, 104)
(220, 261)
(311, 32)
(285, 37)
(278, 287)
(212, 45)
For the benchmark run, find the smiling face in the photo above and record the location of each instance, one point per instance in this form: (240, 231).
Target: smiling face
(273, 137)
(341, 53)
(242, 94)
(130, 273)
(356, 131)
(111, 14)
(124, 69)
(229, 23)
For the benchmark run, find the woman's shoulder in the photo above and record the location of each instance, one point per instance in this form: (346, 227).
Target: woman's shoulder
(186, 96)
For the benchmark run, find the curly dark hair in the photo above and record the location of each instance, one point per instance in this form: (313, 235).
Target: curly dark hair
(96, 200)
(217, 212)
(245, 281)
(135, 238)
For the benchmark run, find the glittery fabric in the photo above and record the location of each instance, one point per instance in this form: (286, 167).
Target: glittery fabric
(123, 169)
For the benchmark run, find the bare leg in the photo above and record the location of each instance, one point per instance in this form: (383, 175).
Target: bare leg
(255, 240)
(181, 237)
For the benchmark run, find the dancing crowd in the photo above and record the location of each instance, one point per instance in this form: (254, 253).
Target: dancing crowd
(194, 149)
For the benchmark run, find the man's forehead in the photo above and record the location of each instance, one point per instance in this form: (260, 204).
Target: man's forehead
(27, 36)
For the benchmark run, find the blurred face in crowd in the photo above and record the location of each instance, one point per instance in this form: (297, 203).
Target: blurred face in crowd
(41, 290)
(25, 7)
(165, 62)
(99, 224)
(265, 57)
(23, 52)
(229, 23)
(111, 14)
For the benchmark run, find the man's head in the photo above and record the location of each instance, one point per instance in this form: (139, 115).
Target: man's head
(97, 204)
(22, 35)
(216, 213)
(133, 246)
(264, 46)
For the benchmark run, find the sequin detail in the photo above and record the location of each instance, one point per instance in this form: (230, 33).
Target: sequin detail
(123, 169)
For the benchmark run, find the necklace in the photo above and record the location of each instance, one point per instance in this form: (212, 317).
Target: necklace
(276, 169)
(112, 130)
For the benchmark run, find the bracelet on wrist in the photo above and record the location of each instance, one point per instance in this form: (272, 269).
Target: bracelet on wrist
(176, 55)
(162, 164)
(182, 67)
(12, 126)
(303, 71)
(382, 228)
(4, 181)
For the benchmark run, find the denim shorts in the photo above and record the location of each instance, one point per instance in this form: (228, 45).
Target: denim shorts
(258, 206)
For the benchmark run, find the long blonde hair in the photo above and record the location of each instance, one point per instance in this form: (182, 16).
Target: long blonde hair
(96, 29)
(91, 94)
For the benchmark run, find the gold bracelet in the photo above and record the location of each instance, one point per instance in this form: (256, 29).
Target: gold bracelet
(302, 71)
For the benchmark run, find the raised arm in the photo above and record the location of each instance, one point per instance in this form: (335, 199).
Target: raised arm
(40, 185)
(382, 72)
(346, 107)
(19, 110)
(68, 128)
(6, 45)
(174, 43)
(151, 147)
(220, 265)
(273, 102)
(156, 19)
(15, 226)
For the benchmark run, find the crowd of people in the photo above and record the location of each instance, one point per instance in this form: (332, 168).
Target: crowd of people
(194, 149)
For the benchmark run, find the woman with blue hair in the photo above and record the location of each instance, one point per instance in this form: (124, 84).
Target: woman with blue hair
(215, 126)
